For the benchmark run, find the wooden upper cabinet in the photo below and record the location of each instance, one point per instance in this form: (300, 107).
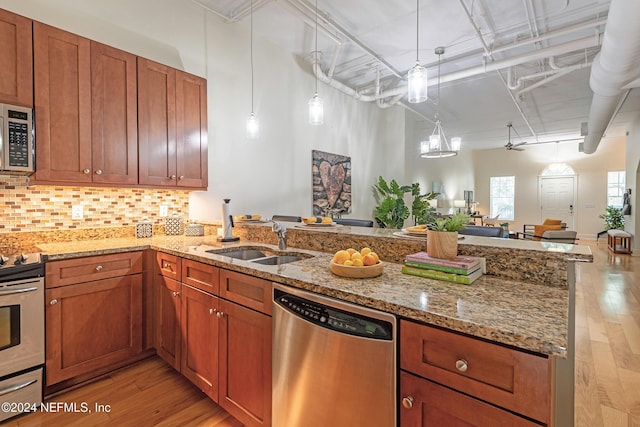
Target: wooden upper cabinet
(114, 115)
(62, 83)
(191, 128)
(16, 61)
(172, 127)
(156, 123)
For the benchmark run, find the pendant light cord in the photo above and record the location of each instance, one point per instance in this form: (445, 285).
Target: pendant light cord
(316, 53)
(417, 29)
(251, 55)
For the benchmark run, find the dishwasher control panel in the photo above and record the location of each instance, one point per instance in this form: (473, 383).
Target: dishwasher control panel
(333, 318)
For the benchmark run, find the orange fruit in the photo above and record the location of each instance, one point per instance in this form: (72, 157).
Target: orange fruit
(369, 259)
(375, 255)
(341, 256)
(351, 251)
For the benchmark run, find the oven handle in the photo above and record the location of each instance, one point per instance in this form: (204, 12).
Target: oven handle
(18, 291)
(17, 387)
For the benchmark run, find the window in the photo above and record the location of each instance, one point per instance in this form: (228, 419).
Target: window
(502, 192)
(615, 188)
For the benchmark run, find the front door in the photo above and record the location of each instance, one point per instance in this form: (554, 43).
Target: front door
(557, 199)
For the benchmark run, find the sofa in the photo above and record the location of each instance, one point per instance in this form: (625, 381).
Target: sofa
(479, 230)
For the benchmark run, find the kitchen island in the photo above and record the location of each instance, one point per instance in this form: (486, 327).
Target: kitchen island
(512, 326)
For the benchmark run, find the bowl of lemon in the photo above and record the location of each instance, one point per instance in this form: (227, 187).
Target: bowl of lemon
(356, 264)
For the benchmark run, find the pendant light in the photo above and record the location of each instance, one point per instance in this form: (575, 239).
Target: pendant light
(438, 146)
(252, 121)
(417, 76)
(316, 107)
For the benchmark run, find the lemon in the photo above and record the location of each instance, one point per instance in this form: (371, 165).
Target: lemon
(348, 262)
(365, 251)
(351, 251)
(357, 262)
(341, 256)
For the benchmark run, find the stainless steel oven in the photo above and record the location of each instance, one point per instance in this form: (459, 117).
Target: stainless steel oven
(17, 150)
(21, 331)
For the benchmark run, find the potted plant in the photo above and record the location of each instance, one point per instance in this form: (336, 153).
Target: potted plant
(392, 211)
(442, 236)
(613, 219)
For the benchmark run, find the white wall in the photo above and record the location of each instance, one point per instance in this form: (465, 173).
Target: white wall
(632, 167)
(267, 176)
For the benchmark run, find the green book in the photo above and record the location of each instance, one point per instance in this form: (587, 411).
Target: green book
(441, 275)
(463, 271)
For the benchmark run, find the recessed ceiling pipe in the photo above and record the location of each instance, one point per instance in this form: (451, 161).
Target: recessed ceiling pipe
(614, 67)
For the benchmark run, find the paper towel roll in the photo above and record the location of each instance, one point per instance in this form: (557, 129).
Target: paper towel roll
(226, 219)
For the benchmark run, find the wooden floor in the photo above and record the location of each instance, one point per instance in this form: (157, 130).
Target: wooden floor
(150, 393)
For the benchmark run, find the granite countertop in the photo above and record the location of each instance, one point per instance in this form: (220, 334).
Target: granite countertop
(524, 315)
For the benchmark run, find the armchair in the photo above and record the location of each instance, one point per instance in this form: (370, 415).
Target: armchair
(535, 231)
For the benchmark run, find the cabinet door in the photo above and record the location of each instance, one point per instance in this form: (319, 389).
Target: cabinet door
(199, 325)
(245, 364)
(114, 115)
(191, 128)
(156, 124)
(62, 81)
(92, 325)
(16, 61)
(168, 330)
(423, 403)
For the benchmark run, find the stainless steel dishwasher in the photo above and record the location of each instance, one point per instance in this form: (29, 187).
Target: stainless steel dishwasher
(334, 363)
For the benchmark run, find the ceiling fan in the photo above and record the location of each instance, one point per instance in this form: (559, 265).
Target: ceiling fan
(509, 145)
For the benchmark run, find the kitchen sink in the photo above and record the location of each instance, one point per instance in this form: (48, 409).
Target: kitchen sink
(245, 254)
(260, 255)
(277, 259)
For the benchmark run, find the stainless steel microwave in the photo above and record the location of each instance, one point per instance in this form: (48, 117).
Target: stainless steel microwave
(17, 151)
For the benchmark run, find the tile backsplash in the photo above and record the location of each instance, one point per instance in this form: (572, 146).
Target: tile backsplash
(35, 208)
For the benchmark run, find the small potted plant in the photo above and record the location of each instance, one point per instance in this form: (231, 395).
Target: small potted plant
(442, 236)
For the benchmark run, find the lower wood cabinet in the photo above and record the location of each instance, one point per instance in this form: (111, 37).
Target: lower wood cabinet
(424, 403)
(199, 327)
(245, 364)
(223, 347)
(92, 325)
(168, 321)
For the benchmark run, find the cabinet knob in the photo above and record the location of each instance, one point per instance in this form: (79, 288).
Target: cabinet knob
(86, 171)
(462, 365)
(166, 266)
(53, 301)
(98, 267)
(172, 177)
(99, 172)
(175, 294)
(220, 314)
(181, 177)
(212, 310)
(407, 402)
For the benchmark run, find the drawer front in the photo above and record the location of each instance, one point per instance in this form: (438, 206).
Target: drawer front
(169, 265)
(201, 276)
(78, 270)
(503, 376)
(423, 403)
(246, 290)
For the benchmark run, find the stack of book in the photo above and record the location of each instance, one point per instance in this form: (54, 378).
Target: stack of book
(462, 269)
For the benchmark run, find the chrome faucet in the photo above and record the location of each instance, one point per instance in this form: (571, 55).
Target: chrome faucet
(281, 232)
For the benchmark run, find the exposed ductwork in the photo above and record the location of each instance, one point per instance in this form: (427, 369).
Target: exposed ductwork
(614, 67)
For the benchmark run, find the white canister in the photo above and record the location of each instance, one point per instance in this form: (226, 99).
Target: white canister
(144, 228)
(173, 225)
(194, 230)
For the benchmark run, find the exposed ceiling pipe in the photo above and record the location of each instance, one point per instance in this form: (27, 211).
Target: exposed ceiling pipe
(549, 35)
(554, 70)
(615, 66)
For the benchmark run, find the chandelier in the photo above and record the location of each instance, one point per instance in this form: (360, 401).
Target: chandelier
(438, 146)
